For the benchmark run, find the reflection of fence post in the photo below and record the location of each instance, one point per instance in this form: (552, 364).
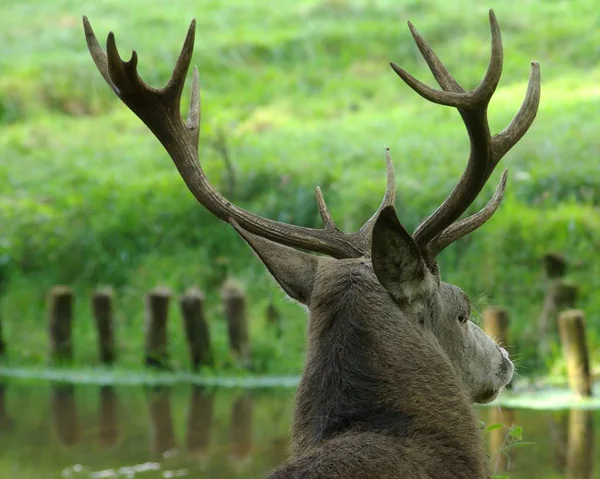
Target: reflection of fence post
(157, 312)
(64, 413)
(580, 452)
(102, 308)
(234, 304)
(557, 428)
(196, 327)
(500, 459)
(60, 319)
(162, 435)
(5, 421)
(495, 325)
(199, 423)
(241, 432)
(2, 343)
(559, 295)
(108, 419)
(572, 334)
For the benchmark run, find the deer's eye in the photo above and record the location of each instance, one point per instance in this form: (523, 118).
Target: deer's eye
(463, 318)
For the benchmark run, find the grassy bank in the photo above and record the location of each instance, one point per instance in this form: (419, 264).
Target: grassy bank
(302, 95)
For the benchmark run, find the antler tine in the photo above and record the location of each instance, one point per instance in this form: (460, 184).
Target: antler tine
(471, 223)
(388, 199)
(323, 211)
(159, 109)
(486, 151)
(439, 71)
(519, 125)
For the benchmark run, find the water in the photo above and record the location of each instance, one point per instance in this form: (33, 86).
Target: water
(62, 431)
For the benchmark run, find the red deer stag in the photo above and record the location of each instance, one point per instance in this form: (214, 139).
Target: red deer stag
(393, 363)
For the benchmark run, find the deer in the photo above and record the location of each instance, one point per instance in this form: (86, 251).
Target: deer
(394, 362)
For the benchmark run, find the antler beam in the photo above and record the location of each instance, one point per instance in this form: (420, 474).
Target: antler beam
(438, 230)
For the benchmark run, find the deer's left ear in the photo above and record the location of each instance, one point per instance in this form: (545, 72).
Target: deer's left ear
(397, 261)
(294, 270)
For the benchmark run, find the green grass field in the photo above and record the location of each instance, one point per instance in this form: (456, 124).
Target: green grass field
(301, 95)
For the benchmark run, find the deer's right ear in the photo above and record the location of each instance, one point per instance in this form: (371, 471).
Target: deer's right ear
(397, 261)
(294, 270)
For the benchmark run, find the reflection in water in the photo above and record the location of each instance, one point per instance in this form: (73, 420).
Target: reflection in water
(108, 417)
(557, 428)
(5, 421)
(199, 424)
(241, 432)
(226, 433)
(64, 413)
(500, 456)
(580, 452)
(162, 436)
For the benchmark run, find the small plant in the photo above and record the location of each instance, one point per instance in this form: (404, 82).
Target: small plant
(513, 438)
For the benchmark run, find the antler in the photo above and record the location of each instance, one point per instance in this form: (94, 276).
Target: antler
(159, 109)
(439, 230)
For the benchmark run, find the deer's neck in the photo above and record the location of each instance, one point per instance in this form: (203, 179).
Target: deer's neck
(367, 371)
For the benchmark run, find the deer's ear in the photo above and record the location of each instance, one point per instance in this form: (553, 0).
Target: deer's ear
(397, 261)
(294, 270)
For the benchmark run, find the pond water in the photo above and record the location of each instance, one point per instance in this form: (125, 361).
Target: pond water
(64, 431)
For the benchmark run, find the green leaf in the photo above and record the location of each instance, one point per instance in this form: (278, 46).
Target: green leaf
(494, 426)
(516, 432)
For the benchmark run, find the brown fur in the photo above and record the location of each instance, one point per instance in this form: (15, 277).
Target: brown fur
(386, 389)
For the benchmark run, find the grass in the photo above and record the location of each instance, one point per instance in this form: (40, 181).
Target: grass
(304, 96)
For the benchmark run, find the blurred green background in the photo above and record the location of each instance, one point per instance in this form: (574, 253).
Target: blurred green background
(293, 96)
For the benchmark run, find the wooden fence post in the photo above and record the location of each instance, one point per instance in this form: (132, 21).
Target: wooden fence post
(559, 295)
(196, 327)
(60, 320)
(273, 319)
(102, 308)
(571, 324)
(157, 313)
(555, 265)
(495, 325)
(234, 304)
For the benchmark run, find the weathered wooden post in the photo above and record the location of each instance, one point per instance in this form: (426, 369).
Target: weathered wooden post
(560, 295)
(571, 324)
(108, 418)
(234, 304)
(196, 328)
(495, 325)
(162, 435)
(64, 413)
(273, 319)
(102, 309)
(199, 423)
(555, 265)
(60, 321)
(157, 313)
(580, 451)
